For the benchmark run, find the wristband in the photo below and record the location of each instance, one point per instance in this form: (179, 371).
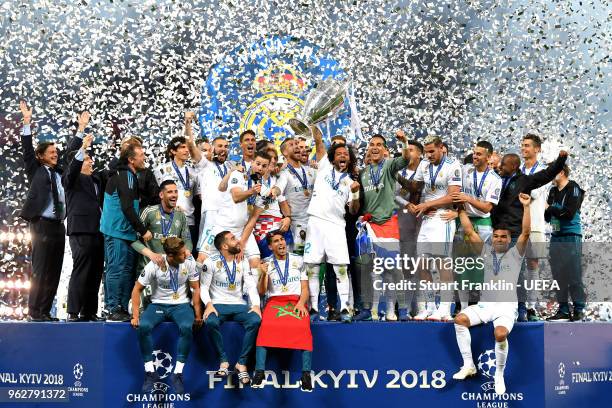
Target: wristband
(355, 195)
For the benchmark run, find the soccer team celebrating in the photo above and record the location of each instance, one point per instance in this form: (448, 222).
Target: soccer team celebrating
(201, 240)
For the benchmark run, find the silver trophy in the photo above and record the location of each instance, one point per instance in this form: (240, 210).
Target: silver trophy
(321, 103)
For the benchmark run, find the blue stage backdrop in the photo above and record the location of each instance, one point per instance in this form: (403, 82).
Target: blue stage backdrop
(262, 85)
(368, 364)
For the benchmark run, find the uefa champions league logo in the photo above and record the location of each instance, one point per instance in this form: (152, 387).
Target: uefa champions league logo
(78, 371)
(561, 370)
(486, 365)
(162, 362)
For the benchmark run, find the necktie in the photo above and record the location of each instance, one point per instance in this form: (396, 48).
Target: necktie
(57, 205)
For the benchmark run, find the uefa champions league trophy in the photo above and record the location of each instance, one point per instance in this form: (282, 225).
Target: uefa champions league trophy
(321, 104)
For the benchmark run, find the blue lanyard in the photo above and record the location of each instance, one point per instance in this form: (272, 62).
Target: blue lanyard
(335, 185)
(184, 182)
(432, 177)
(532, 169)
(505, 181)
(478, 186)
(375, 178)
(221, 172)
(173, 278)
(231, 276)
(165, 227)
(496, 263)
(411, 176)
(283, 277)
(304, 181)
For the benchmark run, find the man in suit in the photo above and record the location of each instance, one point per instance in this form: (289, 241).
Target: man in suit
(44, 209)
(84, 200)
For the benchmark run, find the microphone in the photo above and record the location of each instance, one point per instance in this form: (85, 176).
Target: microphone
(255, 178)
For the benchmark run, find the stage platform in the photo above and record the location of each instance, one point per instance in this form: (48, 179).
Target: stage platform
(358, 365)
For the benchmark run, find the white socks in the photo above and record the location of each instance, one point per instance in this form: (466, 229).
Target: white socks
(149, 367)
(313, 285)
(501, 355)
(464, 341)
(343, 284)
(178, 369)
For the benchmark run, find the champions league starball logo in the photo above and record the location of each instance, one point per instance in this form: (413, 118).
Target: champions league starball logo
(486, 363)
(78, 371)
(162, 362)
(262, 86)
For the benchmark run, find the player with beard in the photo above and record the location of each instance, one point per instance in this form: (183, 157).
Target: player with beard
(440, 177)
(326, 235)
(224, 281)
(234, 216)
(304, 150)
(481, 190)
(380, 221)
(211, 173)
(269, 211)
(296, 182)
(536, 250)
(285, 282)
(183, 174)
(164, 222)
(408, 223)
(502, 263)
(169, 301)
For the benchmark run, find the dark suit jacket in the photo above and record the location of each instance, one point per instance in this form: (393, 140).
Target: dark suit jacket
(38, 179)
(83, 202)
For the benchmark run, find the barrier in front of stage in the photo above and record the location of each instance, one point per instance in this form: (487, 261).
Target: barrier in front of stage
(364, 364)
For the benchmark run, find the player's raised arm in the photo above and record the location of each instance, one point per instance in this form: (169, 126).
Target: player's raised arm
(195, 153)
(470, 234)
(321, 151)
(521, 243)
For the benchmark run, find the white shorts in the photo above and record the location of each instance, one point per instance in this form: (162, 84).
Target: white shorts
(436, 237)
(251, 250)
(207, 223)
(324, 238)
(500, 313)
(536, 248)
(298, 230)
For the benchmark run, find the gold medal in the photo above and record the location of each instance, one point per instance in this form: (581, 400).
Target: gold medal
(307, 193)
(284, 289)
(163, 240)
(266, 207)
(219, 264)
(232, 286)
(250, 208)
(187, 194)
(175, 296)
(433, 188)
(403, 191)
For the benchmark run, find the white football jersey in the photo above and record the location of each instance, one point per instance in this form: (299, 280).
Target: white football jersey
(510, 263)
(539, 196)
(489, 188)
(210, 174)
(234, 215)
(448, 174)
(293, 190)
(169, 286)
(332, 192)
(218, 287)
(296, 274)
(189, 176)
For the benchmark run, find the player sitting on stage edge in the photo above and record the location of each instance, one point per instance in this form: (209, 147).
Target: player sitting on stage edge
(501, 263)
(169, 301)
(286, 322)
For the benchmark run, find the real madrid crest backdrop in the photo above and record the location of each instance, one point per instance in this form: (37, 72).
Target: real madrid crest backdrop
(461, 69)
